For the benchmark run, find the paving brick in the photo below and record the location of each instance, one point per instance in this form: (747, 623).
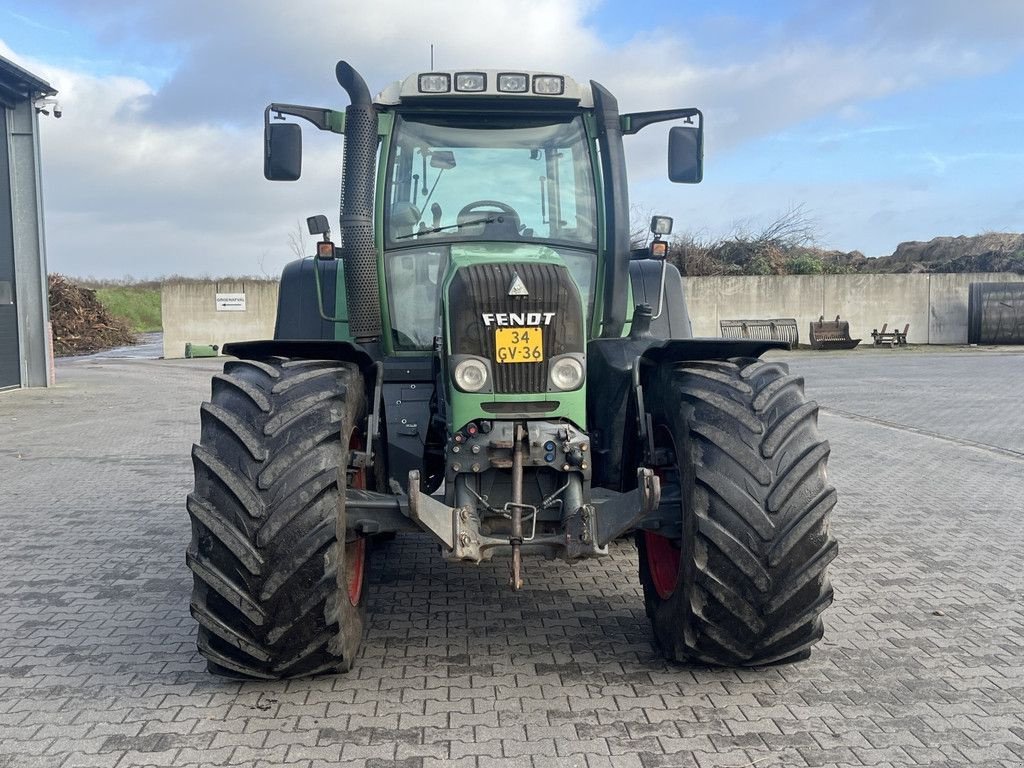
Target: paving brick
(574, 761)
(542, 747)
(462, 762)
(569, 747)
(921, 663)
(504, 762)
(674, 760)
(76, 759)
(460, 749)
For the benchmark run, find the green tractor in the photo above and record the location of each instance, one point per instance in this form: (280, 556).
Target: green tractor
(484, 358)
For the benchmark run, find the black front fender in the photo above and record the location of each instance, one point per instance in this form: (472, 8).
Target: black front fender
(685, 350)
(611, 398)
(304, 349)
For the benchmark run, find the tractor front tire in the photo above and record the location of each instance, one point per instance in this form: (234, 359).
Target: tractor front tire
(278, 582)
(746, 582)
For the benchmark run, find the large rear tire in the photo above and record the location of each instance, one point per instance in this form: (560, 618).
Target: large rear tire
(278, 583)
(747, 581)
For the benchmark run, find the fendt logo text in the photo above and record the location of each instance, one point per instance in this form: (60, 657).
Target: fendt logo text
(518, 318)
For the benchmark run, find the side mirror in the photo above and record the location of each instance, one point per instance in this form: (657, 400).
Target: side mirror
(318, 225)
(282, 151)
(686, 154)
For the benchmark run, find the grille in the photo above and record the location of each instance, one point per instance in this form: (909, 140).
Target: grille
(483, 288)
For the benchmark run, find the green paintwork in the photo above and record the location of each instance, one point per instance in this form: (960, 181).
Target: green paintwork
(201, 350)
(341, 332)
(336, 121)
(572, 406)
(385, 128)
(467, 254)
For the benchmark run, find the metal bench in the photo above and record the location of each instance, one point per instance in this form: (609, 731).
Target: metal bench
(894, 338)
(774, 329)
(831, 334)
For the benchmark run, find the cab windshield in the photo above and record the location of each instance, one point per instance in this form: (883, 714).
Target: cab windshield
(461, 181)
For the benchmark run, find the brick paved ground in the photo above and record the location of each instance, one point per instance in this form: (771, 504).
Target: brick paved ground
(923, 661)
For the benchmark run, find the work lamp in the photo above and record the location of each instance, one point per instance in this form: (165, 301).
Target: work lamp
(513, 82)
(435, 82)
(549, 85)
(661, 225)
(470, 81)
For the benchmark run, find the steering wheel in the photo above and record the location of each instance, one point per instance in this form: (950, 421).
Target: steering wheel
(478, 210)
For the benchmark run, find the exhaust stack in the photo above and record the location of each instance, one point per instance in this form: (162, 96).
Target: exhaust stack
(356, 214)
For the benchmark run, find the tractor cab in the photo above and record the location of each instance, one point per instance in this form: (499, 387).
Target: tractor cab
(531, 159)
(452, 182)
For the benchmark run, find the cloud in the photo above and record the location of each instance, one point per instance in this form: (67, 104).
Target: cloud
(126, 194)
(978, 23)
(158, 177)
(237, 54)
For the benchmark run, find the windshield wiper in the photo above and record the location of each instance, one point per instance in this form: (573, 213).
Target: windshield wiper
(433, 230)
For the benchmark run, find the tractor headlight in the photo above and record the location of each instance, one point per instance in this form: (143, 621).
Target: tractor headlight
(565, 373)
(470, 374)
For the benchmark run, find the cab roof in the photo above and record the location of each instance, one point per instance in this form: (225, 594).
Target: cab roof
(507, 85)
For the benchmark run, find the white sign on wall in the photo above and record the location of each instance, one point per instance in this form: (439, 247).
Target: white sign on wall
(231, 302)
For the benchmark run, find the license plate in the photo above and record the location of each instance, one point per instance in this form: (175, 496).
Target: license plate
(519, 345)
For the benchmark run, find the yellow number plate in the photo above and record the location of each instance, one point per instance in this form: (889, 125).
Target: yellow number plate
(519, 345)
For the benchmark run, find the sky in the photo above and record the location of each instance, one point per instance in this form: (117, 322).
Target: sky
(882, 121)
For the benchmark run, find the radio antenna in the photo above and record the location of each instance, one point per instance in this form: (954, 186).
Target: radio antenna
(431, 56)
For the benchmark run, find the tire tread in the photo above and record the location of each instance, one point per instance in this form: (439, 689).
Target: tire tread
(753, 581)
(269, 489)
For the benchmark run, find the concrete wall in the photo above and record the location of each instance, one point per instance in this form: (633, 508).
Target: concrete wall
(711, 299)
(190, 314)
(868, 301)
(934, 305)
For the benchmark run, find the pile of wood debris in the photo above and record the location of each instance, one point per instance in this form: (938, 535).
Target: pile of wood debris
(80, 322)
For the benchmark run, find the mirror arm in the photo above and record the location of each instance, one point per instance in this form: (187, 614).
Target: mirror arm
(323, 118)
(634, 122)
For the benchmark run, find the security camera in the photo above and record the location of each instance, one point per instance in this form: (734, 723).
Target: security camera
(42, 104)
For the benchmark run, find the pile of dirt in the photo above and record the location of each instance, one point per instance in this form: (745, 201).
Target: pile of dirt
(991, 252)
(80, 323)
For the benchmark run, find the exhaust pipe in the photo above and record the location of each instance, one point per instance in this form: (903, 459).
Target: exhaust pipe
(356, 213)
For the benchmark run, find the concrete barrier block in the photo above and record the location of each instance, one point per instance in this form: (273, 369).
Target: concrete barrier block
(868, 301)
(190, 314)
